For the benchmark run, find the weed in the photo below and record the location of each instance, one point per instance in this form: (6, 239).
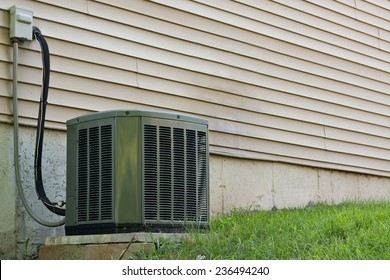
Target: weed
(28, 251)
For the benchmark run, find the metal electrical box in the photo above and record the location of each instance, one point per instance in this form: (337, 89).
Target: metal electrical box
(21, 23)
(130, 170)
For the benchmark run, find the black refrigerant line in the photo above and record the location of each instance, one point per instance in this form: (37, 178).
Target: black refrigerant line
(40, 190)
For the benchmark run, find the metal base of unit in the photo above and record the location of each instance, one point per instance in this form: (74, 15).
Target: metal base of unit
(129, 228)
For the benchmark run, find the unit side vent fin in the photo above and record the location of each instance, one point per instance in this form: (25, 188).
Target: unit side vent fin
(202, 177)
(95, 174)
(175, 174)
(150, 168)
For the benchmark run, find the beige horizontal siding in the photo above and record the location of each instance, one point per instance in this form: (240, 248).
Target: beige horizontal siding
(305, 82)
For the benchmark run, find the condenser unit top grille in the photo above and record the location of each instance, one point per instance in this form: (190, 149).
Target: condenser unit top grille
(135, 113)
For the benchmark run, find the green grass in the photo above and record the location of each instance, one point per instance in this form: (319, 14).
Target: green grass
(343, 232)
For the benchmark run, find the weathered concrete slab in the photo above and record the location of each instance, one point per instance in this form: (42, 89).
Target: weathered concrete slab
(112, 251)
(102, 247)
(135, 237)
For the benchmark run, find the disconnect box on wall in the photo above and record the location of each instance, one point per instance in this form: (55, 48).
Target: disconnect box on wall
(21, 23)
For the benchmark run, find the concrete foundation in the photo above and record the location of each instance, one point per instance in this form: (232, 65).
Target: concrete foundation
(8, 221)
(260, 185)
(19, 234)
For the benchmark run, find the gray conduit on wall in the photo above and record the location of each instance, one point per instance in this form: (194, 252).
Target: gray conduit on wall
(16, 142)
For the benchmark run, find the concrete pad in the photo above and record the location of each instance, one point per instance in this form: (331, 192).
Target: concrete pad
(134, 237)
(103, 246)
(115, 251)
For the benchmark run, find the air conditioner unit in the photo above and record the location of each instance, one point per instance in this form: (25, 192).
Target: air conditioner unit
(136, 171)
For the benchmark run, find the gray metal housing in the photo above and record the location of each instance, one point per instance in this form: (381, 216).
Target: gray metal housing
(132, 170)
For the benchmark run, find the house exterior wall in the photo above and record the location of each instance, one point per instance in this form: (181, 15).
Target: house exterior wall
(284, 84)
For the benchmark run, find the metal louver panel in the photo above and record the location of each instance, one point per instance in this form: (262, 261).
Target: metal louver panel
(191, 191)
(95, 174)
(150, 168)
(165, 188)
(175, 174)
(106, 173)
(179, 174)
(82, 187)
(203, 211)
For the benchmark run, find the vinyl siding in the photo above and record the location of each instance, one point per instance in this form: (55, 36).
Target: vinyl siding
(304, 82)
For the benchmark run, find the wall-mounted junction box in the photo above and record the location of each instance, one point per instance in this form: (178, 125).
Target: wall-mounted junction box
(21, 23)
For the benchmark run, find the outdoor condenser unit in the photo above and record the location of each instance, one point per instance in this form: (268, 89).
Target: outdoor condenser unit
(136, 171)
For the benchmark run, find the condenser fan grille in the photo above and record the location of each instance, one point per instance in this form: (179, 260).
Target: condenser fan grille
(175, 174)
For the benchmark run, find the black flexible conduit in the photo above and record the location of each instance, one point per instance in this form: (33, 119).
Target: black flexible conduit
(53, 207)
